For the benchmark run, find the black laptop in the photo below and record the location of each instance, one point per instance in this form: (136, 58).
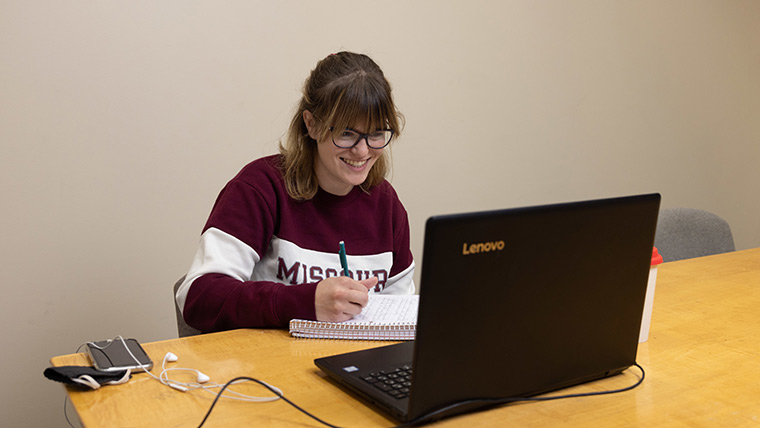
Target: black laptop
(514, 303)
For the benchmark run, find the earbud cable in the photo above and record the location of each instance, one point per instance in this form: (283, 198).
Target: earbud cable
(189, 386)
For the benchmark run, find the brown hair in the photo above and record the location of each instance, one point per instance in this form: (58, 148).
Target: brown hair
(345, 89)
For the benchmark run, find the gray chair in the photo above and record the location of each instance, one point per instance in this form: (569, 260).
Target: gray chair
(683, 233)
(183, 330)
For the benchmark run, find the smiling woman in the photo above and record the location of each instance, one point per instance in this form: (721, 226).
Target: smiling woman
(268, 253)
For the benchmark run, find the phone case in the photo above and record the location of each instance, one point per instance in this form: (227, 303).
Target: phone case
(112, 355)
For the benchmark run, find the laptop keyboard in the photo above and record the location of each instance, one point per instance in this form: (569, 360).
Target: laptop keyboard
(395, 382)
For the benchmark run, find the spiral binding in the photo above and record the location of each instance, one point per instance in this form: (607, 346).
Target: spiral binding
(356, 331)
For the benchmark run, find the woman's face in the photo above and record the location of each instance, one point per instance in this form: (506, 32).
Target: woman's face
(339, 170)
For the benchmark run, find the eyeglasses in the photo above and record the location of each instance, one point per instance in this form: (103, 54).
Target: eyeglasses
(350, 138)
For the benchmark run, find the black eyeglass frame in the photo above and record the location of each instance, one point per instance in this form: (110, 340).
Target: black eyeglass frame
(364, 137)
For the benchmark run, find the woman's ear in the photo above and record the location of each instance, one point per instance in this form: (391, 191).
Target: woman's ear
(311, 124)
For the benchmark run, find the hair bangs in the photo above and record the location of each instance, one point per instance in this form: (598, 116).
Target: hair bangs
(365, 105)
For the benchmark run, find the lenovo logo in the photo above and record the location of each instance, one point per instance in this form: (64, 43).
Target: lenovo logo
(482, 247)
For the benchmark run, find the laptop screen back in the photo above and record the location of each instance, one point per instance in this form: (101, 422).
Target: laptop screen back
(523, 301)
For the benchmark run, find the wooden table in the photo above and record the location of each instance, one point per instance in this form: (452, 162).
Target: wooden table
(702, 365)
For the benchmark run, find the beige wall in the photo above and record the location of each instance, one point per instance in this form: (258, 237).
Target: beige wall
(121, 120)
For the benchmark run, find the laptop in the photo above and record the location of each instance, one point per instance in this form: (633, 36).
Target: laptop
(514, 303)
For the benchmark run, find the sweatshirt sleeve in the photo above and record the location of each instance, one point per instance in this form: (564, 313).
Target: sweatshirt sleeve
(218, 293)
(401, 280)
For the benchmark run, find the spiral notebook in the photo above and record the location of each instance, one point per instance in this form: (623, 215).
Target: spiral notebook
(386, 317)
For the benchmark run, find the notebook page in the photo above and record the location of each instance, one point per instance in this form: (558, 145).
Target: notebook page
(388, 309)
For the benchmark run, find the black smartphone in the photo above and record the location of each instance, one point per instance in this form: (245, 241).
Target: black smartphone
(112, 355)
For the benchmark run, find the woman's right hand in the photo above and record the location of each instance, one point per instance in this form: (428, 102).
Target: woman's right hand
(339, 298)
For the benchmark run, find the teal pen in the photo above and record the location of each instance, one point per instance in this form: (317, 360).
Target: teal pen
(343, 261)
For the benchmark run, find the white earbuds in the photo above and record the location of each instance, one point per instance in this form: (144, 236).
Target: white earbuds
(202, 378)
(182, 386)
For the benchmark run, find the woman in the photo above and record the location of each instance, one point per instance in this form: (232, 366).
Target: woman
(268, 252)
